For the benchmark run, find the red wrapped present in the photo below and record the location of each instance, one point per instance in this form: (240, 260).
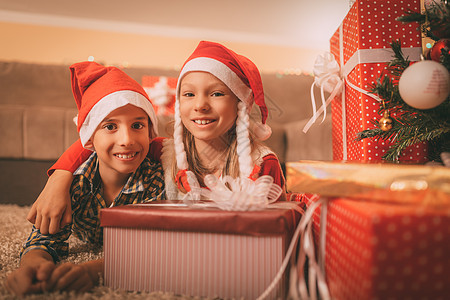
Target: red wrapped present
(383, 182)
(385, 251)
(387, 237)
(161, 90)
(198, 252)
(361, 46)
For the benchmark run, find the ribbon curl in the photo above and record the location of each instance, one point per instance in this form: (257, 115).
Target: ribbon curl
(233, 194)
(327, 77)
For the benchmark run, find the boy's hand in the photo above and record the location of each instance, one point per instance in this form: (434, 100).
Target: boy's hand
(71, 277)
(52, 210)
(29, 279)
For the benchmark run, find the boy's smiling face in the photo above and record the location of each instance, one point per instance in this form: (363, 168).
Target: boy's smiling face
(122, 141)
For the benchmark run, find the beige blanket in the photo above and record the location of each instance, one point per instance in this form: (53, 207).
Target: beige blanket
(14, 229)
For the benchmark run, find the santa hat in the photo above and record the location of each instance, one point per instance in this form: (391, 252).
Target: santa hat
(243, 79)
(99, 90)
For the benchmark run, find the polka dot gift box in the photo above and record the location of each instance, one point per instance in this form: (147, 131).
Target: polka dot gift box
(361, 46)
(382, 251)
(381, 231)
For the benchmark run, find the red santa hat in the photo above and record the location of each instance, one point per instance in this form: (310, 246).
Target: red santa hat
(99, 90)
(243, 79)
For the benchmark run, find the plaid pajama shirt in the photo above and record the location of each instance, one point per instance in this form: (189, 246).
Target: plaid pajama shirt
(144, 185)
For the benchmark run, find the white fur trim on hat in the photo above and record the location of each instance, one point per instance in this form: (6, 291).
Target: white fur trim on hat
(111, 102)
(222, 72)
(230, 79)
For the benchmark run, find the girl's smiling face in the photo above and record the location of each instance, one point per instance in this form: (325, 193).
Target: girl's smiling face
(208, 108)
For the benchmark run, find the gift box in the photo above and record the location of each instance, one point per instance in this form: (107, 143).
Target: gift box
(361, 46)
(385, 251)
(377, 181)
(197, 252)
(387, 238)
(161, 91)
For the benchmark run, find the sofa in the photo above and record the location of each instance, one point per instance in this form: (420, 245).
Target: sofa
(37, 111)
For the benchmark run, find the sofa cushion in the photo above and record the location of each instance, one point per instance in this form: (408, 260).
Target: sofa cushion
(316, 144)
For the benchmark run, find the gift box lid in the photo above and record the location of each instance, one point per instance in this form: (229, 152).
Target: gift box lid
(373, 25)
(384, 182)
(179, 217)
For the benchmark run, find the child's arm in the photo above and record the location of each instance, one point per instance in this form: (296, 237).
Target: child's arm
(52, 210)
(271, 166)
(38, 273)
(71, 159)
(36, 266)
(75, 277)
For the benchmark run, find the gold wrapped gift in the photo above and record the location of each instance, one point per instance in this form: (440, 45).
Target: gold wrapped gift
(408, 184)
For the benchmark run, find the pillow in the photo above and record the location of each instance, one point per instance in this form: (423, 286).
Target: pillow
(316, 144)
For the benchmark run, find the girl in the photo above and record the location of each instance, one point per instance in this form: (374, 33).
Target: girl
(212, 132)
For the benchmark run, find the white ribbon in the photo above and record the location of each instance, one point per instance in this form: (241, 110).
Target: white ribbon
(247, 195)
(316, 268)
(333, 81)
(243, 194)
(327, 77)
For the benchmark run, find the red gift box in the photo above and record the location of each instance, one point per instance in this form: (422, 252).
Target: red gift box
(385, 251)
(387, 227)
(361, 46)
(161, 91)
(197, 252)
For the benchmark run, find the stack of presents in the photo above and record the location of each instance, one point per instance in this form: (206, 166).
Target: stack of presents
(380, 231)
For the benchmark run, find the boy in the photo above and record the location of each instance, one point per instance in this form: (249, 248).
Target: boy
(116, 120)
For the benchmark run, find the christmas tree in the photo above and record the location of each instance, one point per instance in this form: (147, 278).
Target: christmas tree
(410, 115)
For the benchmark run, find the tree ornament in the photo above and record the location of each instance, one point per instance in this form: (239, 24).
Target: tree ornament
(436, 18)
(385, 121)
(435, 52)
(424, 85)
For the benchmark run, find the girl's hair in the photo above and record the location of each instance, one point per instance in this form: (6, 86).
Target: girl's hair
(231, 166)
(242, 77)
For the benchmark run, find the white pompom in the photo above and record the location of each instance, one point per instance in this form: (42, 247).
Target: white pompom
(261, 131)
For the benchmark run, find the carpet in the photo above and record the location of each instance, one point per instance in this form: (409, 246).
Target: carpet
(14, 229)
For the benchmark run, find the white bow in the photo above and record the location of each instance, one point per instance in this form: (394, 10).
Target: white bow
(327, 76)
(241, 194)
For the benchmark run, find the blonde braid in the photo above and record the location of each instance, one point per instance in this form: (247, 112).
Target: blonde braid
(243, 141)
(180, 153)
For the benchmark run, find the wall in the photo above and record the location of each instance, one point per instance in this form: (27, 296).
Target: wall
(57, 45)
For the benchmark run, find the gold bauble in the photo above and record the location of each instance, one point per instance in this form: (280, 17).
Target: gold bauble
(385, 122)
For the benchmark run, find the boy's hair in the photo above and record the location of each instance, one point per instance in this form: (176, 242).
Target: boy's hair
(99, 90)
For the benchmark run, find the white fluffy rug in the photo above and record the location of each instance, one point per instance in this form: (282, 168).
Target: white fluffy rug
(14, 229)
